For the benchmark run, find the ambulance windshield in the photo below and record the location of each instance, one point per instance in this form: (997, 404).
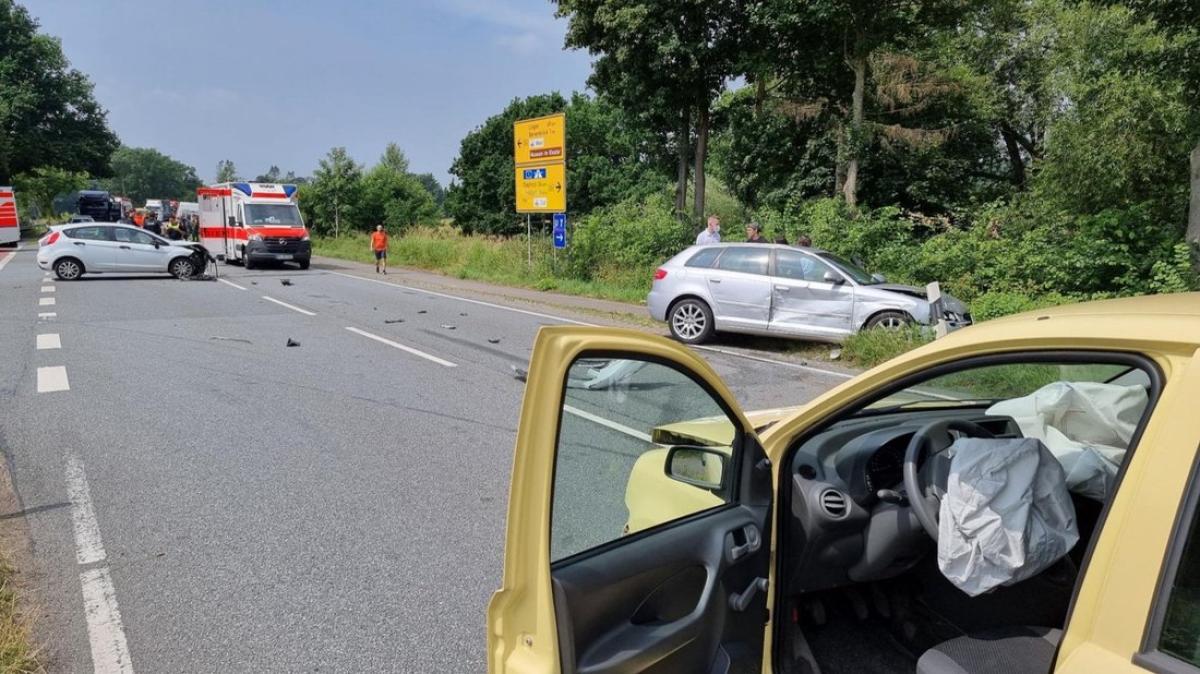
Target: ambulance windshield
(277, 215)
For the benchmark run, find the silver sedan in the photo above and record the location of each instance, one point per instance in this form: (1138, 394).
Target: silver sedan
(87, 248)
(769, 289)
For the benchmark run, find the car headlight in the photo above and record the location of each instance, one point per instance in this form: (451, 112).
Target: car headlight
(256, 237)
(304, 238)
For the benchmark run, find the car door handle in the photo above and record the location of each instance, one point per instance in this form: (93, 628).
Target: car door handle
(740, 601)
(749, 534)
(79, 243)
(124, 247)
(714, 280)
(783, 289)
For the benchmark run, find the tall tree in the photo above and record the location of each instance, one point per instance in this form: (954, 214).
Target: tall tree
(665, 59)
(395, 199)
(337, 191)
(142, 173)
(433, 187)
(40, 186)
(393, 158)
(273, 175)
(227, 172)
(48, 116)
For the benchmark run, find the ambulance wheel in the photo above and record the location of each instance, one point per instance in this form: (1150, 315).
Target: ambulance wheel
(246, 263)
(304, 264)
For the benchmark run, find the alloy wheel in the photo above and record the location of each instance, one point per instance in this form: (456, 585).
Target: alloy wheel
(689, 321)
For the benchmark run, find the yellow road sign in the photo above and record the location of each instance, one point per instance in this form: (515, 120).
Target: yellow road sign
(541, 188)
(540, 140)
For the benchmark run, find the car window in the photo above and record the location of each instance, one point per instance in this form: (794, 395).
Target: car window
(705, 258)
(133, 236)
(621, 420)
(1180, 636)
(95, 233)
(800, 267)
(748, 259)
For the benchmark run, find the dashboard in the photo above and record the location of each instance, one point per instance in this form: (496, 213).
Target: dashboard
(848, 509)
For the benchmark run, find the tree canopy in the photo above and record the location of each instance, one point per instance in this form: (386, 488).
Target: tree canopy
(142, 173)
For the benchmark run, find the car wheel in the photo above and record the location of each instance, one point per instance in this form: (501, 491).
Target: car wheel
(691, 321)
(68, 269)
(182, 267)
(304, 264)
(246, 263)
(889, 320)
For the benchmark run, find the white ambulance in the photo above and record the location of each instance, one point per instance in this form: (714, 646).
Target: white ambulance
(10, 224)
(252, 223)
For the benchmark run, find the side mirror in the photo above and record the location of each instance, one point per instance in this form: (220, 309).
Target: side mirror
(232, 221)
(879, 278)
(702, 467)
(834, 278)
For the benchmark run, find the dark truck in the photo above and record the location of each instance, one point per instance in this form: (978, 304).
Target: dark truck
(98, 204)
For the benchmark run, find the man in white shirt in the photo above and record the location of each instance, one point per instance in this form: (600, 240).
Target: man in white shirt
(711, 234)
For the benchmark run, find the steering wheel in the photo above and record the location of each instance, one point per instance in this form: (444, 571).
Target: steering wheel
(931, 440)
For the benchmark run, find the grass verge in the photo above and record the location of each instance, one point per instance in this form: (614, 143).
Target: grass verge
(17, 653)
(501, 261)
(869, 348)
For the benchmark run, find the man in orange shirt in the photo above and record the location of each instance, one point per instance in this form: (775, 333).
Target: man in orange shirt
(379, 247)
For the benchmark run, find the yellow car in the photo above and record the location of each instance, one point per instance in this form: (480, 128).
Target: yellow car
(1019, 496)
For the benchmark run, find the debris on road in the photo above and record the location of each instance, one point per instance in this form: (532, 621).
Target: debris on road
(254, 283)
(463, 314)
(292, 342)
(493, 340)
(285, 281)
(834, 354)
(448, 326)
(422, 311)
(389, 321)
(518, 373)
(232, 339)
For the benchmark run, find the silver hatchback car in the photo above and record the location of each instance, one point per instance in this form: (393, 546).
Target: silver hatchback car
(71, 251)
(769, 289)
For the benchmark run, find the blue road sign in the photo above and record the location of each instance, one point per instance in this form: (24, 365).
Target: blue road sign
(535, 174)
(560, 230)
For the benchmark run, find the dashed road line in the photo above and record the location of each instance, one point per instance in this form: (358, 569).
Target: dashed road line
(231, 283)
(46, 301)
(408, 349)
(293, 307)
(51, 379)
(47, 289)
(607, 423)
(106, 633)
(48, 314)
(49, 340)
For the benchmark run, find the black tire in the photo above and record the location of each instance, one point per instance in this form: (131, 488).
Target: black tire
(690, 321)
(182, 267)
(304, 264)
(889, 320)
(246, 263)
(68, 269)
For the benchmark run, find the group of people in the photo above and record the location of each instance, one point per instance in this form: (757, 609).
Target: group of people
(712, 234)
(174, 228)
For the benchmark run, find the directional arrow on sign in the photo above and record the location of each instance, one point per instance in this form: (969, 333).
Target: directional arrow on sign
(558, 186)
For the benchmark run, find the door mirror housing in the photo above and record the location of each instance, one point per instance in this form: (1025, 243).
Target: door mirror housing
(834, 278)
(702, 467)
(232, 222)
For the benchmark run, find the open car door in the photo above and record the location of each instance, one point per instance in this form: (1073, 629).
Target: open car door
(613, 420)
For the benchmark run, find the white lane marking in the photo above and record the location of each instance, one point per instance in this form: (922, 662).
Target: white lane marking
(782, 363)
(397, 345)
(6, 259)
(47, 289)
(46, 302)
(465, 299)
(607, 423)
(110, 650)
(714, 349)
(51, 379)
(49, 340)
(47, 314)
(231, 283)
(306, 312)
(89, 549)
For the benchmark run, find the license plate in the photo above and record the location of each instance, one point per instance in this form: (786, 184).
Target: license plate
(283, 257)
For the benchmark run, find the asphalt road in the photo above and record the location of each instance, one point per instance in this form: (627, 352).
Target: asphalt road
(199, 497)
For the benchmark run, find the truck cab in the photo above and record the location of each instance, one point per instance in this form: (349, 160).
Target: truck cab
(253, 223)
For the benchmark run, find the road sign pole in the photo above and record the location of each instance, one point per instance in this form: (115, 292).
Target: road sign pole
(528, 242)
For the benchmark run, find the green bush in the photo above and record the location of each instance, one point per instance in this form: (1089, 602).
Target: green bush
(991, 305)
(869, 348)
(633, 235)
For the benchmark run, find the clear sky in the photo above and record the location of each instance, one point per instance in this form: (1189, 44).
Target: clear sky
(272, 82)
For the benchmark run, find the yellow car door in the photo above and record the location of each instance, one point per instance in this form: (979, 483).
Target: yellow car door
(583, 591)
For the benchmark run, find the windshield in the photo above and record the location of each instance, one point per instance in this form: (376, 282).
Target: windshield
(279, 215)
(850, 269)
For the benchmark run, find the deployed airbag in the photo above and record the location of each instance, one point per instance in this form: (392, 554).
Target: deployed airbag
(1086, 425)
(1006, 516)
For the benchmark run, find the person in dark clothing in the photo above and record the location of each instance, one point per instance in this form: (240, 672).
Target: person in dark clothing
(803, 241)
(754, 233)
(781, 240)
(152, 224)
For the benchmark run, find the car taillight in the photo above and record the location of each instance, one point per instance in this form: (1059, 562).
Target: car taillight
(52, 238)
(660, 274)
